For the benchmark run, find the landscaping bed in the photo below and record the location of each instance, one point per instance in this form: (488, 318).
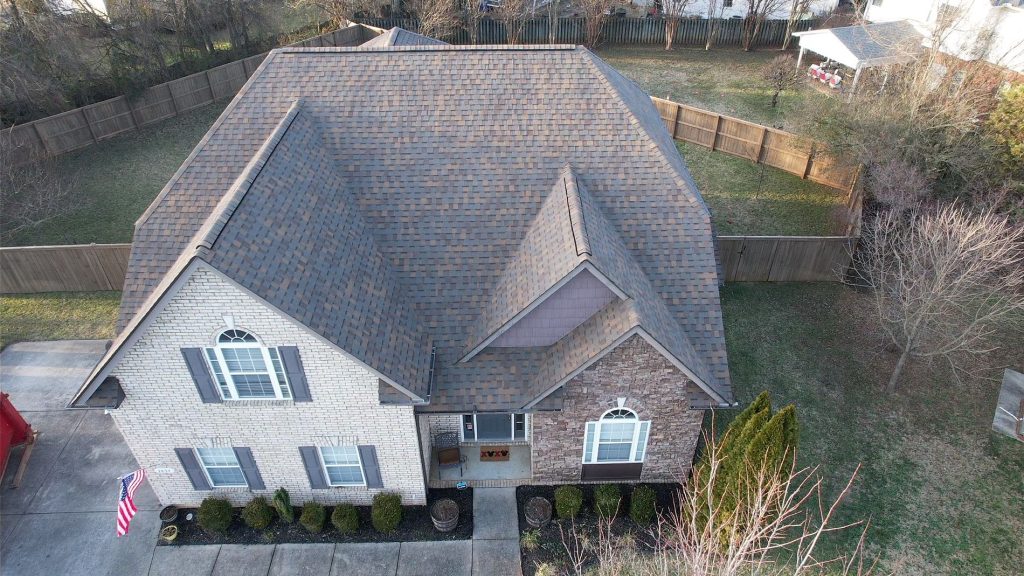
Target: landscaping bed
(415, 525)
(550, 549)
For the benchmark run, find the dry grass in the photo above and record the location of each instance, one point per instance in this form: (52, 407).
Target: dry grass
(58, 316)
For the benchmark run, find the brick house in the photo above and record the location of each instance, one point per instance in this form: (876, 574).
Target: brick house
(375, 250)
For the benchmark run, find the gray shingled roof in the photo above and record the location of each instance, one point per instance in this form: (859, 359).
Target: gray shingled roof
(401, 37)
(447, 154)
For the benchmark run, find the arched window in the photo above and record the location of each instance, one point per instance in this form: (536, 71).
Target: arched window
(619, 436)
(245, 369)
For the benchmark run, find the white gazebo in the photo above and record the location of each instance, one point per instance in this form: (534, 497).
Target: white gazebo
(863, 46)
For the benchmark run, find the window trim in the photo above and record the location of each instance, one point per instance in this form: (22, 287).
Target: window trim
(512, 428)
(594, 442)
(222, 370)
(327, 477)
(206, 472)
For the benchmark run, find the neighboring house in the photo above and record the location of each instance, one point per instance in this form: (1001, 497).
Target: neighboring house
(377, 250)
(967, 29)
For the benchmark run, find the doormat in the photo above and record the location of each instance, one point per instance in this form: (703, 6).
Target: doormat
(494, 453)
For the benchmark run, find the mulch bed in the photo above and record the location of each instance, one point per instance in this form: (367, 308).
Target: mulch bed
(551, 550)
(415, 526)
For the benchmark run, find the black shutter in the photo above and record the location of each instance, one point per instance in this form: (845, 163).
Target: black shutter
(371, 470)
(315, 471)
(296, 375)
(201, 375)
(249, 469)
(193, 470)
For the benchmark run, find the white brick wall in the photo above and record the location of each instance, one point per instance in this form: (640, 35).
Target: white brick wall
(163, 410)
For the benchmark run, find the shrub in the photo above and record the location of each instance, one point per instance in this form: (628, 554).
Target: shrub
(568, 501)
(530, 540)
(345, 518)
(545, 569)
(606, 500)
(283, 506)
(641, 505)
(386, 512)
(257, 513)
(313, 517)
(215, 515)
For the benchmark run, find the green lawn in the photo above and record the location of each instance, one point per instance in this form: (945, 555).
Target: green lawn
(118, 179)
(756, 200)
(58, 316)
(944, 494)
(723, 80)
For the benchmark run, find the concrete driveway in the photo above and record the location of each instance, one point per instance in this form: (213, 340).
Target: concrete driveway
(62, 518)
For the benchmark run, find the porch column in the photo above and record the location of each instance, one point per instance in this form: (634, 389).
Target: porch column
(856, 78)
(800, 58)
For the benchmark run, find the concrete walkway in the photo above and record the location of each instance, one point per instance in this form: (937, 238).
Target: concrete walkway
(61, 520)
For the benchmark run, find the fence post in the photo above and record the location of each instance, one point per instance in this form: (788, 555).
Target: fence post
(39, 135)
(675, 123)
(92, 133)
(718, 126)
(810, 158)
(760, 148)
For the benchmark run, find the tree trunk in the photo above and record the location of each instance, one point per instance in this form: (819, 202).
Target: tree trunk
(894, 378)
(775, 98)
(671, 25)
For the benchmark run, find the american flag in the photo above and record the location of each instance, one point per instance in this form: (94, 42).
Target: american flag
(125, 505)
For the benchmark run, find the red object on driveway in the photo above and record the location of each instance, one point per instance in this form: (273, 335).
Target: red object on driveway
(14, 431)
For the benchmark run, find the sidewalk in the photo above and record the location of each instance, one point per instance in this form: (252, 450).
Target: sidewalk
(62, 519)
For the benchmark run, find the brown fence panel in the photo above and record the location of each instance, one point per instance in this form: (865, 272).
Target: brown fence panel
(65, 132)
(252, 63)
(784, 258)
(191, 92)
(697, 126)
(82, 268)
(740, 138)
(154, 104)
(110, 117)
(226, 80)
(832, 171)
(786, 152)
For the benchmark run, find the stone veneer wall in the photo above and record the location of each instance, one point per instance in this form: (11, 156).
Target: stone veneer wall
(163, 410)
(653, 388)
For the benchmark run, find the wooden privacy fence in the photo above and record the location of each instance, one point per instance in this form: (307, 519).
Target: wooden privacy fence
(90, 124)
(785, 258)
(619, 31)
(90, 267)
(81, 268)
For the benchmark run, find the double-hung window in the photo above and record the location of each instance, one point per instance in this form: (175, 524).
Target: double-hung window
(619, 436)
(342, 465)
(221, 467)
(245, 369)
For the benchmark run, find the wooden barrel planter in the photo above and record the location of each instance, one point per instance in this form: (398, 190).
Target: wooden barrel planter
(538, 511)
(169, 514)
(445, 515)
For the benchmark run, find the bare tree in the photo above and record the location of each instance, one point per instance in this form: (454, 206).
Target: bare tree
(341, 12)
(758, 11)
(785, 513)
(513, 14)
(897, 184)
(796, 9)
(554, 13)
(716, 8)
(437, 18)
(780, 74)
(943, 281)
(32, 193)
(594, 12)
(674, 12)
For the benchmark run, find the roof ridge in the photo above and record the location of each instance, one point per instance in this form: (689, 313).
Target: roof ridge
(577, 218)
(427, 48)
(207, 234)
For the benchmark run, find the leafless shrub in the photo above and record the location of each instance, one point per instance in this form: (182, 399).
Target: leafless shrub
(897, 184)
(437, 18)
(513, 14)
(784, 514)
(944, 281)
(758, 11)
(594, 12)
(779, 74)
(32, 193)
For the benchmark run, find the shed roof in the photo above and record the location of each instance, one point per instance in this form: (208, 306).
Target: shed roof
(865, 45)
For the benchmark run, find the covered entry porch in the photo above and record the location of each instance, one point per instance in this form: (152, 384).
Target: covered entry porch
(481, 449)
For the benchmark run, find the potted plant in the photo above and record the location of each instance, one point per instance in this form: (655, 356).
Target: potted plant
(538, 511)
(169, 514)
(169, 533)
(445, 514)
